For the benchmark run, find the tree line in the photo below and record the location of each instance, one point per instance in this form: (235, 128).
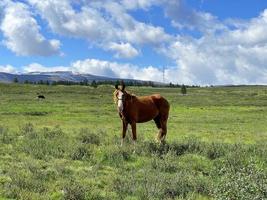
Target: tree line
(96, 83)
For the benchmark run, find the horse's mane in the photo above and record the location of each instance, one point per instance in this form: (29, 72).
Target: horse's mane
(115, 97)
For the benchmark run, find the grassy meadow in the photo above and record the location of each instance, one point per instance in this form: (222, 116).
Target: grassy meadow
(68, 145)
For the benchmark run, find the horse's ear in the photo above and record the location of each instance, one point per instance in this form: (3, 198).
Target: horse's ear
(117, 86)
(122, 86)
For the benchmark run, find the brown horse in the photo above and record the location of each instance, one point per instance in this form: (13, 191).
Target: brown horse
(133, 109)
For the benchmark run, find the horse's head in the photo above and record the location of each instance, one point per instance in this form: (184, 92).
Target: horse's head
(120, 96)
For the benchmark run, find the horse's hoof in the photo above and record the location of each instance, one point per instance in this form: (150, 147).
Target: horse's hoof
(157, 139)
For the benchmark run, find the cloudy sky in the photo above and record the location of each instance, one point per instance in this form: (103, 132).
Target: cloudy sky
(195, 41)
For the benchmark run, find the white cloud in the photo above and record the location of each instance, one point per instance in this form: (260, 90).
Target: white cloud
(114, 69)
(101, 68)
(123, 50)
(143, 4)
(36, 67)
(22, 33)
(63, 19)
(95, 67)
(183, 16)
(8, 69)
(134, 31)
(225, 52)
(100, 23)
(235, 56)
(146, 34)
(249, 33)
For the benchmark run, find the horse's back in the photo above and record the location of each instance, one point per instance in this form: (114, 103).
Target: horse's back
(160, 101)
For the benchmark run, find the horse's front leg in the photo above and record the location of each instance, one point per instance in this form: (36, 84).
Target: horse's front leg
(133, 125)
(124, 129)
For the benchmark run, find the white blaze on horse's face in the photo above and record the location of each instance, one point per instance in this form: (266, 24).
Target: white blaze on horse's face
(120, 102)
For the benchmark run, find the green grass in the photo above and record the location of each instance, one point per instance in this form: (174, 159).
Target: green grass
(68, 146)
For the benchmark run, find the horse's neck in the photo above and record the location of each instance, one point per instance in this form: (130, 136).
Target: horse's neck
(131, 100)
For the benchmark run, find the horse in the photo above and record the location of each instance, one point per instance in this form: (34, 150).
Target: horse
(139, 109)
(40, 97)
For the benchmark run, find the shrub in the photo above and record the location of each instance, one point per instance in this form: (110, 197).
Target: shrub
(54, 133)
(142, 184)
(81, 152)
(115, 155)
(154, 148)
(28, 130)
(183, 90)
(248, 182)
(215, 150)
(190, 145)
(23, 181)
(88, 137)
(36, 113)
(5, 136)
(42, 144)
(124, 184)
(74, 191)
(167, 163)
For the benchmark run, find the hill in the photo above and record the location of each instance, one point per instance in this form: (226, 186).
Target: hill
(58, 76)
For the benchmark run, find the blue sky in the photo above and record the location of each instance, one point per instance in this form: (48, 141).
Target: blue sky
(195, 41)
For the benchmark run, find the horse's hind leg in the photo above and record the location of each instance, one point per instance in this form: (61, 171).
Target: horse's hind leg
(158, 124)
(163, 130)
(157, 121)
(161, 123)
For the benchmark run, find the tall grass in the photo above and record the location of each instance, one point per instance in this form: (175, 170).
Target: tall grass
(68, 146)
(48, 163)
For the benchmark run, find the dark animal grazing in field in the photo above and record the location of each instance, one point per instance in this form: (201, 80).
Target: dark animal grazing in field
(40, 97)
(133, 109)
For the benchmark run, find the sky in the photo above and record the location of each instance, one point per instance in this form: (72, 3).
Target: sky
(200, 42)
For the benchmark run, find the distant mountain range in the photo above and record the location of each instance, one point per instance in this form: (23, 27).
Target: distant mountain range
(57, 76)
